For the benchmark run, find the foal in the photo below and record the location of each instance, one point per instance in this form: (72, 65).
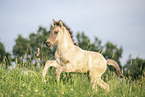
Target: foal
(71, 58)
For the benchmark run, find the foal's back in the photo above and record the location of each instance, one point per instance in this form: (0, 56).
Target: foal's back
(86, 59)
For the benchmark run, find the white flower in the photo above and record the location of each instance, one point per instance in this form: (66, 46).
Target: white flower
(36, 90)
(62, 92)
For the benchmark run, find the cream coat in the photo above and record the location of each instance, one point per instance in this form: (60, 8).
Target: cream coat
(71, 58)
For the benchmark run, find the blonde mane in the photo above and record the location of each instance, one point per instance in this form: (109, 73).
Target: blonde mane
(68, 28)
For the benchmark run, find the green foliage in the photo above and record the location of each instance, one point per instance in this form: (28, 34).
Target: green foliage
(85, 43)
(112, 52)
(2, 52)
(5, 57)
(21, 46)
(83, 40)
(27, 48)
(134, 68)
(27, 82)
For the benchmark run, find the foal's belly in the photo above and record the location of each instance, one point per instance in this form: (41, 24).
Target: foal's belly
(77, 68)
(81, 66)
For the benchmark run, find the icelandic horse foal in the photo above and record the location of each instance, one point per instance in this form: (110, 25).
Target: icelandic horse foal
(71, 58)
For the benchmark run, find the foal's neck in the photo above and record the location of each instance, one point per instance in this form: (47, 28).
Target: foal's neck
(65, 42)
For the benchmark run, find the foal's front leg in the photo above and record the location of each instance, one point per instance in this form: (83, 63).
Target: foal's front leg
(59, 70)
(47, 65)
(66, 68)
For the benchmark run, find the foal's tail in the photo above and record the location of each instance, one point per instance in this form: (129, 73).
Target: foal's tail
(115, 64)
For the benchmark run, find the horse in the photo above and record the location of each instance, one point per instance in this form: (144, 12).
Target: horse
(71, 58)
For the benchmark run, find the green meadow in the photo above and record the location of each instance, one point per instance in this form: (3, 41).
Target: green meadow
(26, 81)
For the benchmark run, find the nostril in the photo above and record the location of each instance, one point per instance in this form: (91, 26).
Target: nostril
(47, 43)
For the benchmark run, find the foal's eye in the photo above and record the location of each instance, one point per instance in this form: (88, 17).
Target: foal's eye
(55, 32)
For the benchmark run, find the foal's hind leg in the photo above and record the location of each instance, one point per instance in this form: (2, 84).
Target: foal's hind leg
(92, 75)
(102, 84)
(96, 80)
(47, 65)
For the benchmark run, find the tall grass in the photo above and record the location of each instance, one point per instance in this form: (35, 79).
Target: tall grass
(23, 81)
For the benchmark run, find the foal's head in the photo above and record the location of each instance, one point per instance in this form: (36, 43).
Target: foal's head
(55, 33)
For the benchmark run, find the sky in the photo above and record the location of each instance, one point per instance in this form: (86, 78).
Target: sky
(121, 22)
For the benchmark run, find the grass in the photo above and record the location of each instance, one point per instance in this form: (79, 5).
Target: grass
(27, 82)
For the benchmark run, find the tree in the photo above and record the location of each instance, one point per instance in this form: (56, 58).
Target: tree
(82, 40)
(5, 57)
(2, 52)
(27, 48)
(21, 46)
(38, 41)
(112, 52)
(134, 68)
(85, 43)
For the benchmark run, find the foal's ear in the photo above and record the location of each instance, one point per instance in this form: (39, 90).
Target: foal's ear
(60, 23)
(54, 22)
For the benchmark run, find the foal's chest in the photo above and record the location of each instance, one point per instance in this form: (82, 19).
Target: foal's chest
(61, 58)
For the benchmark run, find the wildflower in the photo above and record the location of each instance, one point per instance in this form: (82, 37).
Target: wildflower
(62, 92)
(36, 90)
(72, 89)
(21, 95)
(23, 84)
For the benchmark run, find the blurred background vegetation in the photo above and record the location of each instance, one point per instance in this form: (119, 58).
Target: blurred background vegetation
(26, 50)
